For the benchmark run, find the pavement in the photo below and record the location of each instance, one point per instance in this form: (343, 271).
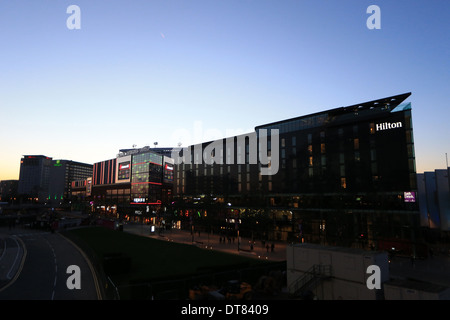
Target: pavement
(216, 242)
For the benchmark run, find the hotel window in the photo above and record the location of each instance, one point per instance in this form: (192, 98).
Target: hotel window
(372, 128)
(294, 141)
(342, 170)
(374, 168)
(310, 162)
(310, 150)
(356, 143)
(409, 136)
(322, 148)
(310, 171)
(357, 156)
(410, 148)
(322, 135)
(343, 183)
(323, 160)
(373, 155)
(283, 142)
(412, 165)
(341, 158)
(309, 138)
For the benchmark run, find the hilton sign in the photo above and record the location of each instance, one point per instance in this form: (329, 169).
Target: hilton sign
(387, 126)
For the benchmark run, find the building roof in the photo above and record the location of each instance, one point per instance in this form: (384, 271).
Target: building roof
(387, 104)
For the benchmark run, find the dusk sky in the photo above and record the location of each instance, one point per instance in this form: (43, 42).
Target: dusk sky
(170, 71)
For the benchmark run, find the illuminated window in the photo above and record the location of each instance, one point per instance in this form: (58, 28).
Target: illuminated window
(322, 147)
(343, 183)
(372, 128)
(310, 161)
(310, 149)
(356, 143)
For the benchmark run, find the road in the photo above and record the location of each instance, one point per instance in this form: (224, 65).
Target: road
(34, 266)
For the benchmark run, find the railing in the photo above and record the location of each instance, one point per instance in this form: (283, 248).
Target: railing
(312, 277)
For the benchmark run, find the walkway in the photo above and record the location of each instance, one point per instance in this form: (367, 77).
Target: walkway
(214, 242)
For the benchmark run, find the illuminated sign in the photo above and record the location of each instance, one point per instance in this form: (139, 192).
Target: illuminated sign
(124, 166)
(409, 196)
(58, 163)
(139, 200)
(388, 126)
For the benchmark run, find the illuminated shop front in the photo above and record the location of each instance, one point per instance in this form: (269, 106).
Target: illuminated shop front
(136, 186)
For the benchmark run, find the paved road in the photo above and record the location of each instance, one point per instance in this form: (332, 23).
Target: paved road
(33, 266)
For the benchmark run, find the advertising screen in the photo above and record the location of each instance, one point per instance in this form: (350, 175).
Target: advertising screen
(123, 169)
(168, 170)
(410, 196)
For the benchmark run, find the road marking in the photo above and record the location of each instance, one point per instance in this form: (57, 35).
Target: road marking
(20, 267)
(8, 275)
(91, 267)
(4, 250)
(56, 267)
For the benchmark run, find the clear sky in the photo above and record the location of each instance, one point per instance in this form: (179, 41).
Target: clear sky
(169, 71)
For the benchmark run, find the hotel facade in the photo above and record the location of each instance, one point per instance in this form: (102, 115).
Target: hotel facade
(345, 176)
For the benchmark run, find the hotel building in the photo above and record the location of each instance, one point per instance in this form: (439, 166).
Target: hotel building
(345, 176)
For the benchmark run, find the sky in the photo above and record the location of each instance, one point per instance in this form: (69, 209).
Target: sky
(188, 71)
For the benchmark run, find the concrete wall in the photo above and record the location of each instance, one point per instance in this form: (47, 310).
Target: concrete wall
(348, 266)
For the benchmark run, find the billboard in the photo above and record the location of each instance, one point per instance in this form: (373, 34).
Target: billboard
(123, 169)
(168, 170)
